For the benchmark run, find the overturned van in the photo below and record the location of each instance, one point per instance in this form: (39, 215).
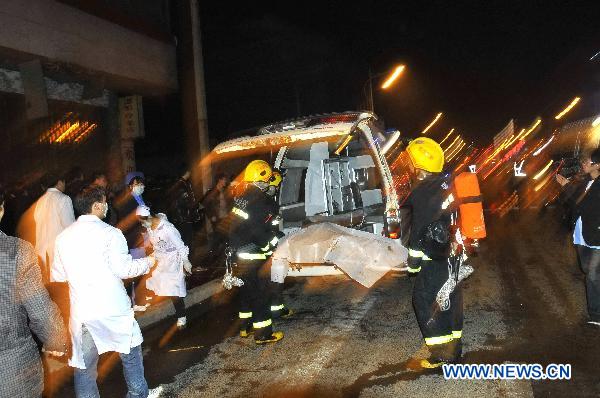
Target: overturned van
(334, 171)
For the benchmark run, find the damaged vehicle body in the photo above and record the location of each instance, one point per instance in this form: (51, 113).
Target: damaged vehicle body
(334, 171)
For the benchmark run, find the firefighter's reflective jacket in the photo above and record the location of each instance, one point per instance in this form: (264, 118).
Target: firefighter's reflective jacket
(430, 221)
(251, 232)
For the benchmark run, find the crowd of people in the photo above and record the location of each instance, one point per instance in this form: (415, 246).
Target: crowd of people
(119, 240)
(102, 244)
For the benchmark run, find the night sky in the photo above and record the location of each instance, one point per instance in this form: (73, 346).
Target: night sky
(479, 64)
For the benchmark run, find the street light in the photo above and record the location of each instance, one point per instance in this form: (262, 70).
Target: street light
(438, 116)
(568, 108)
(399, 69)
(388, 82)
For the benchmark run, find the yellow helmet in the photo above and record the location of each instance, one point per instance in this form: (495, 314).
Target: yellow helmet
(426, 154)
(257, 170)
(275, 179)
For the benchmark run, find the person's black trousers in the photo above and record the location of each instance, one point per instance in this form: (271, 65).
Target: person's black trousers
(177, 301)
(179, 305)
(255, 297)
(589, 260)
(186, 230)
(437, 327)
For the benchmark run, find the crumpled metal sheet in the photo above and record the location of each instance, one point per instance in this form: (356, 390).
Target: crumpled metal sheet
(363, 256)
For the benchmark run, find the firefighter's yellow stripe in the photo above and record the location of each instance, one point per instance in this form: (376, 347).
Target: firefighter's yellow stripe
(438, 340)
(240, 213)
(263, 324)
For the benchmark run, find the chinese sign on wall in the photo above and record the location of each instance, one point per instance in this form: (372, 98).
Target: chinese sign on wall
(131, 117)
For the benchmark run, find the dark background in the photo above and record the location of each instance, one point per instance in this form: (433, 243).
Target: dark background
(481, 63)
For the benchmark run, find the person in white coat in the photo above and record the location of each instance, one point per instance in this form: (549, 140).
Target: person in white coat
(53, 213)
(168, 278)
(92, 257)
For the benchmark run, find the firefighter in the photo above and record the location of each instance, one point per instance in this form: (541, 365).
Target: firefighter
(278, 307)
(429, 250)
(252, 238)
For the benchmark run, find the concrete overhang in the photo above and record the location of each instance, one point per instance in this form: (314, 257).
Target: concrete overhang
(86, 47)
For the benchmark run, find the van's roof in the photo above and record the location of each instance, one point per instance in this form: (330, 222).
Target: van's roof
(302, 129)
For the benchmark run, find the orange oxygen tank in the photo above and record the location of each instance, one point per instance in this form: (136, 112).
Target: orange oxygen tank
(470, 207)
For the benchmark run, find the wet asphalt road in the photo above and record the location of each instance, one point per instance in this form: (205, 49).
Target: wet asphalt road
(525, 303)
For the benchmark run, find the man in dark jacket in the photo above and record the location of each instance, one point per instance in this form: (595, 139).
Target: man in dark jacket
(429, 250)
(586, 235)
(26, 307)
(217, 204)
(183, 209)
(253, 240)
(125, 206)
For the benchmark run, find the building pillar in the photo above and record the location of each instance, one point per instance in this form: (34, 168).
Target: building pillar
(114, 161)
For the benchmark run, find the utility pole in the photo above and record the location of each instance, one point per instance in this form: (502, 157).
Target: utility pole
(193, 95)
(371, 103)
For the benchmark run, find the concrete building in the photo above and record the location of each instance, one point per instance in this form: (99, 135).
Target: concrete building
(64, 66)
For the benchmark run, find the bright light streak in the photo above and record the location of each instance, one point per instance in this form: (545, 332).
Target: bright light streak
(399, 69)
(453, 152)
(537, 123)
(543, 146)
(568, 108)
(194, 347)
(439, 115)
(544, 170)
(522, 134)
(499, 149)
(543, 183)
(447, 135)
(457, 151)
(460, 144)
(450, 146)
(596, 122)
(68, 131)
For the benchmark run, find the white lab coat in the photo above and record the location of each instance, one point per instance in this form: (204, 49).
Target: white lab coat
(167, 277)
(53, 213)
(92, 257)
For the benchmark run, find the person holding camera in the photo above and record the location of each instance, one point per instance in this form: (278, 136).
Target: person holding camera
(586, 235)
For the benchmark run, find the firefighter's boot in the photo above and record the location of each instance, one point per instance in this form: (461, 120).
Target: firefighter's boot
(273, 338)
(246, 324)
(439, 355)
(246, 330)
(281, 311)
(278, 308)
(456, 349)
(263, 332)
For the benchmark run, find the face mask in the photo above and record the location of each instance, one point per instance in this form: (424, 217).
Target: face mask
(138, 190)
(263, 186)
(271, 191)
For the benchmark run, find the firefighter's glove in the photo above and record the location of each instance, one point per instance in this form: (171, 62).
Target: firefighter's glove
(271, 245)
